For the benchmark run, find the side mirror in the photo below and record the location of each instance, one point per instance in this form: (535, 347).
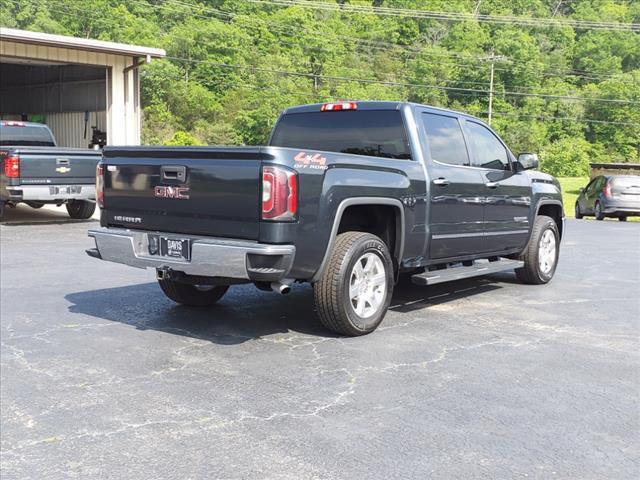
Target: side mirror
(528, 161)
(581, 189)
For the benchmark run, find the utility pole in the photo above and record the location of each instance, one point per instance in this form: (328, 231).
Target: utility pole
(493, 58)
(493, 62)
(555, 10)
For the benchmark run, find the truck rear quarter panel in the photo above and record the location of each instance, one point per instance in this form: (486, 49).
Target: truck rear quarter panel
(326, 180)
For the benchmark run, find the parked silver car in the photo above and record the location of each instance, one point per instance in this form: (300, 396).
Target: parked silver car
(610, 196)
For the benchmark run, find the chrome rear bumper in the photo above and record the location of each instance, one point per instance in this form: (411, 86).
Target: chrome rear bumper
(51, 193)
(210, 257)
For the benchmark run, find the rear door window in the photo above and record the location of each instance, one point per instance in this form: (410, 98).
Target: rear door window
(376, 133)
(445, 140)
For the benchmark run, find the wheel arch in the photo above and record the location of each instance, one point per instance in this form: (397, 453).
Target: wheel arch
(553, 209)
(399, 220)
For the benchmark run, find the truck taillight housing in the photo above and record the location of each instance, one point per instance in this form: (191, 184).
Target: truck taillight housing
(100, 185)
(12, 167)
(279, 194)
(607, 189)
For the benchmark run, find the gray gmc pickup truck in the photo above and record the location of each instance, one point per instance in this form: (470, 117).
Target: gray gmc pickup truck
(347, 196)
(35, 171)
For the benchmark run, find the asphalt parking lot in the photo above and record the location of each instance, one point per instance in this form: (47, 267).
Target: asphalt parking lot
(103, 377)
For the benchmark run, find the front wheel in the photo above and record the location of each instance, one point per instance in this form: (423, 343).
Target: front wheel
(81, 209)
(622, 219)
(354, 293)
(598, 211)
(192, 295)
(578, 212)
(541, 254)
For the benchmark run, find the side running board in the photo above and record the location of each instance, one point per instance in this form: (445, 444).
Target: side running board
(479, 267)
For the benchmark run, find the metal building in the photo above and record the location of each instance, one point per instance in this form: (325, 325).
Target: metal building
(82, 88)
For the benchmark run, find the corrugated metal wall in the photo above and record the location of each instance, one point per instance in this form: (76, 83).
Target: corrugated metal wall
(122, 89)
(68, 127)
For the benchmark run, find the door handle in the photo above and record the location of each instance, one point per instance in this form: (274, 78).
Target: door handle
(492, 184)
(441, 181)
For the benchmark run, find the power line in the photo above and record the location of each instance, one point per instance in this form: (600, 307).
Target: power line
(325, 98)
(543, 116)
(375, 44)
(382, 45)
(454, 16)
(399, 84)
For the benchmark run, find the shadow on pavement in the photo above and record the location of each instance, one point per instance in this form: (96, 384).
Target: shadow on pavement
(246, 313)
(408, 297)
(23, 214)
(243, 314)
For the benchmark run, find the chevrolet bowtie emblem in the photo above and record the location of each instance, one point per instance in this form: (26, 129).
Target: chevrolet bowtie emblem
(63, 169)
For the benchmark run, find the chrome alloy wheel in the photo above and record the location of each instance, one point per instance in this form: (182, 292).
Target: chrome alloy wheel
(367, 285)
(547, 252)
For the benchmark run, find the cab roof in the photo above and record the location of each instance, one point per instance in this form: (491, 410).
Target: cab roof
(369, 105)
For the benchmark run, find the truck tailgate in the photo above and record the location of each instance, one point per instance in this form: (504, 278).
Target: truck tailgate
(60, 166)
(190, 190)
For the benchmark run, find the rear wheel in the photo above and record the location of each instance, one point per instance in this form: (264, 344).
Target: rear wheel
(541, 254)
(622, 219)
(192, 295)
(1, 210)
(81, 208)
(598, 211)
(578, 212)
(35, 204)
(354, 293)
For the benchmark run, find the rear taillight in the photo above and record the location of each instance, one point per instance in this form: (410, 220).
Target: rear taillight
(100, 185)
(12, 167)
(279, 193)
(339, 106)
(607, 189)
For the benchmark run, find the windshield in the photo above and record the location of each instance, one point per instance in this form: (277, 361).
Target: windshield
(26, 135)
(377, 133)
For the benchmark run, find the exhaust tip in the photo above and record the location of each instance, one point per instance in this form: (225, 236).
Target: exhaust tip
(281, 288)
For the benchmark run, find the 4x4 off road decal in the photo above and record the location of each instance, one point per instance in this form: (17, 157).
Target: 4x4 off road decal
(308, 160)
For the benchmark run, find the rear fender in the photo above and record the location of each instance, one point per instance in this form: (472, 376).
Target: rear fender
(400, 225)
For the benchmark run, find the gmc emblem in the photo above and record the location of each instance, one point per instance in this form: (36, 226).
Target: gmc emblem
(180, 193)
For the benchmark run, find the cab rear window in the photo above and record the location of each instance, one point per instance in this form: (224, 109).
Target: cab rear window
(376, 133)
(26, 135)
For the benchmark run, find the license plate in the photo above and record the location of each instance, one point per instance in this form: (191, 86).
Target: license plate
(67, 190)
(175, 248)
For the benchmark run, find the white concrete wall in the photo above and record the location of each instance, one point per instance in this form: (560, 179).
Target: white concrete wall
(123, 111)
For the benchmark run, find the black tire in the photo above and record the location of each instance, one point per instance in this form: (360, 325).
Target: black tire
(531, 272)
(81, 209)
(598, 211)
(332, 298)
(192, 295)
(1, 210)
(622, 219)
(35, 205)
(578, 212)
